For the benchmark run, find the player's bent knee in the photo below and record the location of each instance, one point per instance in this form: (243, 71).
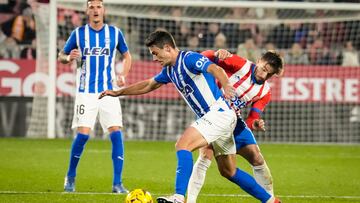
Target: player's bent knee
(181, 146)
(227, 173)
(84, 130)
(257, 159)
(206, 156)
(207, 153)
(114, 128)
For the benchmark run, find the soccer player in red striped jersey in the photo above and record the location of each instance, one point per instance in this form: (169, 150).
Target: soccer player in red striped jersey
(250, 82)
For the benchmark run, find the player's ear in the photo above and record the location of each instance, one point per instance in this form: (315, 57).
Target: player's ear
(280, 73)
(167, 47)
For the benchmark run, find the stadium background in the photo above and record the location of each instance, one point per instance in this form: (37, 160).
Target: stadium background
(317, 100)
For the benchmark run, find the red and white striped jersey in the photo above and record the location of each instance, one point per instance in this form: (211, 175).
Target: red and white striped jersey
(248, 91)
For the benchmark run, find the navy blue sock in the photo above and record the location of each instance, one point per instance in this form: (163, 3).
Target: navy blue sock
(117, 156)
(249, 184)
(76, 150)
(183, 171)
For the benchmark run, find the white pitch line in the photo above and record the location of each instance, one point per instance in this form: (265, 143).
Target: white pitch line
(100, 151)
(209, 195)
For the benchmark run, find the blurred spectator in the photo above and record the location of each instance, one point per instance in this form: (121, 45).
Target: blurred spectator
(300, 33)
(315, 51)
(296, 56)
(2, 37)
(65, 24)
(29, 52)
(77, 19)
(249, 50)
(321, 54)
(236, 33)
(269, 46)
(198, 29)
(9, 48)
(350, 56)
(209, 36)
(353, 33)
(259, 38)
(12, 6)
(21, 28)
(182, 34)
(282, 36)
(220, 41)
(332, 33)
(193, 43)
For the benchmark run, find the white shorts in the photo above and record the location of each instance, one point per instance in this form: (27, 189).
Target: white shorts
(217, 128)
(88, 106)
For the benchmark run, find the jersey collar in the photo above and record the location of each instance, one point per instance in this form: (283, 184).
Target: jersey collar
(253, 67)
(96, 30)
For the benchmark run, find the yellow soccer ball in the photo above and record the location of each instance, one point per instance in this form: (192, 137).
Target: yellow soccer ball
(139, 196)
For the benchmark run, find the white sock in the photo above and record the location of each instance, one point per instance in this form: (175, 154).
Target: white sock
(197, 178)
(263, 176)
(179, 197)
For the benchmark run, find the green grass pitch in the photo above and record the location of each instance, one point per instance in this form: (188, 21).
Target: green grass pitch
(33, 171)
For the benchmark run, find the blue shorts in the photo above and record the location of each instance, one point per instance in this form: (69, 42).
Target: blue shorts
(243, 135)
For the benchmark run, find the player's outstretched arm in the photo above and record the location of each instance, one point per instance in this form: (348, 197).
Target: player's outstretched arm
(142, 87)
(221, 76)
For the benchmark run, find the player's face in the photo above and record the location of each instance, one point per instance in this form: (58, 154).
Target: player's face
(95, 10)
(163, 56)
(263, 71)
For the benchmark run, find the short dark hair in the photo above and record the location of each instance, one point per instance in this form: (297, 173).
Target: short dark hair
(274, 60)
(159, 38)
(93, 0)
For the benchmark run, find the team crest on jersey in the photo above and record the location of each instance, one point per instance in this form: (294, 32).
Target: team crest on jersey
(237, 77)
(96, 51)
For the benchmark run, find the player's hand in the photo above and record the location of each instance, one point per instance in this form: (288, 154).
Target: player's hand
(74, 54)
(223, 54)
(111, 93)
(259, 124)
(229, 91)
(120, 81)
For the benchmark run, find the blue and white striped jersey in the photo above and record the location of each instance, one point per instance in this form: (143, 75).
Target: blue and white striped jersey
(98, 49)
(191, 79)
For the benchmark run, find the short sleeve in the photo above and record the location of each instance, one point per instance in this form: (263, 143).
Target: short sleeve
(197, 63)
(162, 77)
(122, 46)
(260, 104)
(70, 43)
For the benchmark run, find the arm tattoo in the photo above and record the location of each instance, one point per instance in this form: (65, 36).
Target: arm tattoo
(63, 58)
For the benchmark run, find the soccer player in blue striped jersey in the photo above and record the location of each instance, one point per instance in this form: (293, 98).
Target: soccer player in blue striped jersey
(193, 75)
(94, 45)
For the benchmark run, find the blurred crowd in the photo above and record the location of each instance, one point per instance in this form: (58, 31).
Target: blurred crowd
(321, 43)
(17, 34)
